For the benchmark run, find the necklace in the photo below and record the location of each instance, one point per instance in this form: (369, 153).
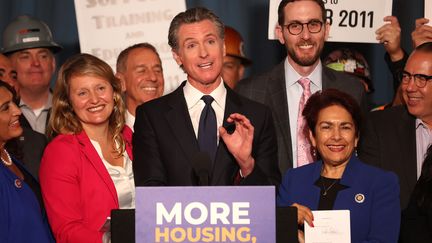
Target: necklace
(9, 162)
(328, 188)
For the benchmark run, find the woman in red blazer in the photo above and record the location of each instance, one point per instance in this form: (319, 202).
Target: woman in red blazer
(86, 169)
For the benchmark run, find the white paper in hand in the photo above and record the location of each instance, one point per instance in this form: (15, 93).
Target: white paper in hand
(330, 226)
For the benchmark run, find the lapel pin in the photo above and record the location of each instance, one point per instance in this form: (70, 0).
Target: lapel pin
(359, 198)
(18, 183)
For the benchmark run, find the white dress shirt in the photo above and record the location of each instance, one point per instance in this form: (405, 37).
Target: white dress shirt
(423, 140)
(294, 93)
(122, 177)
(195, 104)
(130, 120)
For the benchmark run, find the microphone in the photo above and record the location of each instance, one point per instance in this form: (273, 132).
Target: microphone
(230, 127)
(201, 165)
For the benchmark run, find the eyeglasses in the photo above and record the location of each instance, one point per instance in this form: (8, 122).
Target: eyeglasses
(420, 80)
(314, 26)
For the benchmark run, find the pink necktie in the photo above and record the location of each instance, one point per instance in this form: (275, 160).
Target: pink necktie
(304, 155)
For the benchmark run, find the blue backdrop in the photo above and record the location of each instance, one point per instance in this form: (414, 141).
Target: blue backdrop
(249, 17)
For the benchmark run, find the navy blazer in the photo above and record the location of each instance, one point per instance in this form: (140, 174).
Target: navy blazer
(22, 219)
(376, 219)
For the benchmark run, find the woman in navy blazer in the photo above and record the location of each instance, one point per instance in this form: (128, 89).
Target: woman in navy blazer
(339, 180)
(22, 216)
(86, 170)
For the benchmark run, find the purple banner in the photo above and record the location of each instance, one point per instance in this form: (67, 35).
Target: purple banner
(205, 214)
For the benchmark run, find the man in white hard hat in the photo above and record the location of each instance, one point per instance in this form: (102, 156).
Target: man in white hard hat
(29, 44)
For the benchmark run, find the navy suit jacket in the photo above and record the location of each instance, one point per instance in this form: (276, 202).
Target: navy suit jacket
(270, 89)
(164, 144)
(388, 141)
(376, 219)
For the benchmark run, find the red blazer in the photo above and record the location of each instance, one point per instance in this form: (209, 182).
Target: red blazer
(78, 192)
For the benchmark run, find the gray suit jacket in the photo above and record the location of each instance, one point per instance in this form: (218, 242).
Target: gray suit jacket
(270, 89)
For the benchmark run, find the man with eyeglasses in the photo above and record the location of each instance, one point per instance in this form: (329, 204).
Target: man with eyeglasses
(397, 138)
(303, 29)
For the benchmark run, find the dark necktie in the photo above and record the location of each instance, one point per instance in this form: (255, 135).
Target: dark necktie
(207, 136)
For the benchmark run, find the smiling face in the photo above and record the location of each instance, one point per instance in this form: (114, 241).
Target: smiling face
(7, 73)
(35, 68)
(335, 135)
(9, 117)
(200, 53)
(142, 79)
(419, 100)
(92, 100)
(303, 49)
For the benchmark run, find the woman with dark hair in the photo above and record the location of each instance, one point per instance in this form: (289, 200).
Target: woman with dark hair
(22, 216)
(339, 180)
(416, 225)
(86, 170)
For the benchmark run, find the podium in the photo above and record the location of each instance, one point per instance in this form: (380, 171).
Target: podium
(216, 214)
(123, 226)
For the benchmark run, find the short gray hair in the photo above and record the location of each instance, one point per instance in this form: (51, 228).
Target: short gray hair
(124, 55)
(192, 15)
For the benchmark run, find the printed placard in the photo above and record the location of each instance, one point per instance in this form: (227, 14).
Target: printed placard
(428, 11)
(106, 27)
(205, 214)
(351, 20)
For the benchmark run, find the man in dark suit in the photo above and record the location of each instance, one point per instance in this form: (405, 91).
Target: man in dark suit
(302, 29)
(167, 142)
(397, 138)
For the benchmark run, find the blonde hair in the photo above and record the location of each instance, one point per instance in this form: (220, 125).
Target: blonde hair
(63, 119)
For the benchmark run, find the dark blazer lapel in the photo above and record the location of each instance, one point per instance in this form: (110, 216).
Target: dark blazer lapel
(349, 176)
(407, 133)
(328, 79)
(24, 122)
(279, 102)
(180, 123)
(93, 157)
(223, 156)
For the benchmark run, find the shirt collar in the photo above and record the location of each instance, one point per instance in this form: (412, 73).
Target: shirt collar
(130, 120)
(292, 76)
(420, 124)
(193, 95)
(47, 105)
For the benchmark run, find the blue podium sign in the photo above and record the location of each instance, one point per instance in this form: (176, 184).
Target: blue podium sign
(205, 214)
